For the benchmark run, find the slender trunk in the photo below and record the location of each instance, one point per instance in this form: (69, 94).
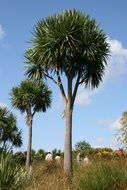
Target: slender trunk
(68, 141)
(68, 132)
(29, 146)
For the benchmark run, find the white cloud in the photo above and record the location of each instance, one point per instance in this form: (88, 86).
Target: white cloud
(117, 64)
(100, 139)
(84, 96)
(115, 125)
(2, 33)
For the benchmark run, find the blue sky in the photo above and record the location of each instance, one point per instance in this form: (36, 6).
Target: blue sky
(96, 113)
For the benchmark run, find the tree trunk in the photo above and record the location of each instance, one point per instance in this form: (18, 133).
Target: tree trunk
(29, 146)
(68, 139)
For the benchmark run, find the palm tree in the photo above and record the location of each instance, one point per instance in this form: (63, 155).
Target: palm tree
(10, 135)
(68, 44)
(30, 97)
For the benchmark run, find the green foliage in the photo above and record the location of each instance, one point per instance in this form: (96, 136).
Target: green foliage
(31, 95)
(82, 145)
(70, 42)
(39, 155)
(103, 176)
(12, 176)
(10, 135)
(41, 152)
(19, 157)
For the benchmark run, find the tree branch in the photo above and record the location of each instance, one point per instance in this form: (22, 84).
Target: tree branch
(80, 82)
(33, 113)
(61, 87)
(50, 77)
(75, 89)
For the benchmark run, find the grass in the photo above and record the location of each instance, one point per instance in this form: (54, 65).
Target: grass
(103, 175)
(48, 177)
(99, 175)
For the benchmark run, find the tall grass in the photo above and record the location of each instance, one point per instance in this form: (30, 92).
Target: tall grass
(48, 176)
(99, 175)
(103, 175)
(12, 176)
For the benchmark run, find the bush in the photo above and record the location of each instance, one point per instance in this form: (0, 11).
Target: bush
(20, 158)
(12, 176)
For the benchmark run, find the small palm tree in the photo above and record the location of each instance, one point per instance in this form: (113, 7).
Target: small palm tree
(10, 135)
(30, 97)
(68, 44)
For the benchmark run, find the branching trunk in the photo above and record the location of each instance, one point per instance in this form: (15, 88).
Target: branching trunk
(29, 146)
(68, 112)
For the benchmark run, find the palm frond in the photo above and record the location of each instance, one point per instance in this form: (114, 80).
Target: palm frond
(72, 43)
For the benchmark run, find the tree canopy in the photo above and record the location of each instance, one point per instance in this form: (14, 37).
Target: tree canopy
(30, 95)
(10, 135)
(82, 145)
(70, 42)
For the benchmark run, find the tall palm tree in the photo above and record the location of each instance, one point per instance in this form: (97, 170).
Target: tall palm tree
(68, 44)
(10, 135)
(30, 97)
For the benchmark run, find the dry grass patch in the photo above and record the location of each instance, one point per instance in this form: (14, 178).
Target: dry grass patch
(48, 176)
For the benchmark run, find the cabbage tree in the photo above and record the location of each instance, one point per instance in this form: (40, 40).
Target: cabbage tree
(10, 135)
(30, 97)
(70, 49)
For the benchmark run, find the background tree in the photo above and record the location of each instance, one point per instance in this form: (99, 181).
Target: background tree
(10, 135)
(56, 152)
(40, 154)
(30, 97)
(82, 145)
(123, 130)
(19, 157)
(68, 46)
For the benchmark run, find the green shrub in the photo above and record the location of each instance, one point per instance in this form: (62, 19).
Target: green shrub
(104, 175)
(12, 176)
